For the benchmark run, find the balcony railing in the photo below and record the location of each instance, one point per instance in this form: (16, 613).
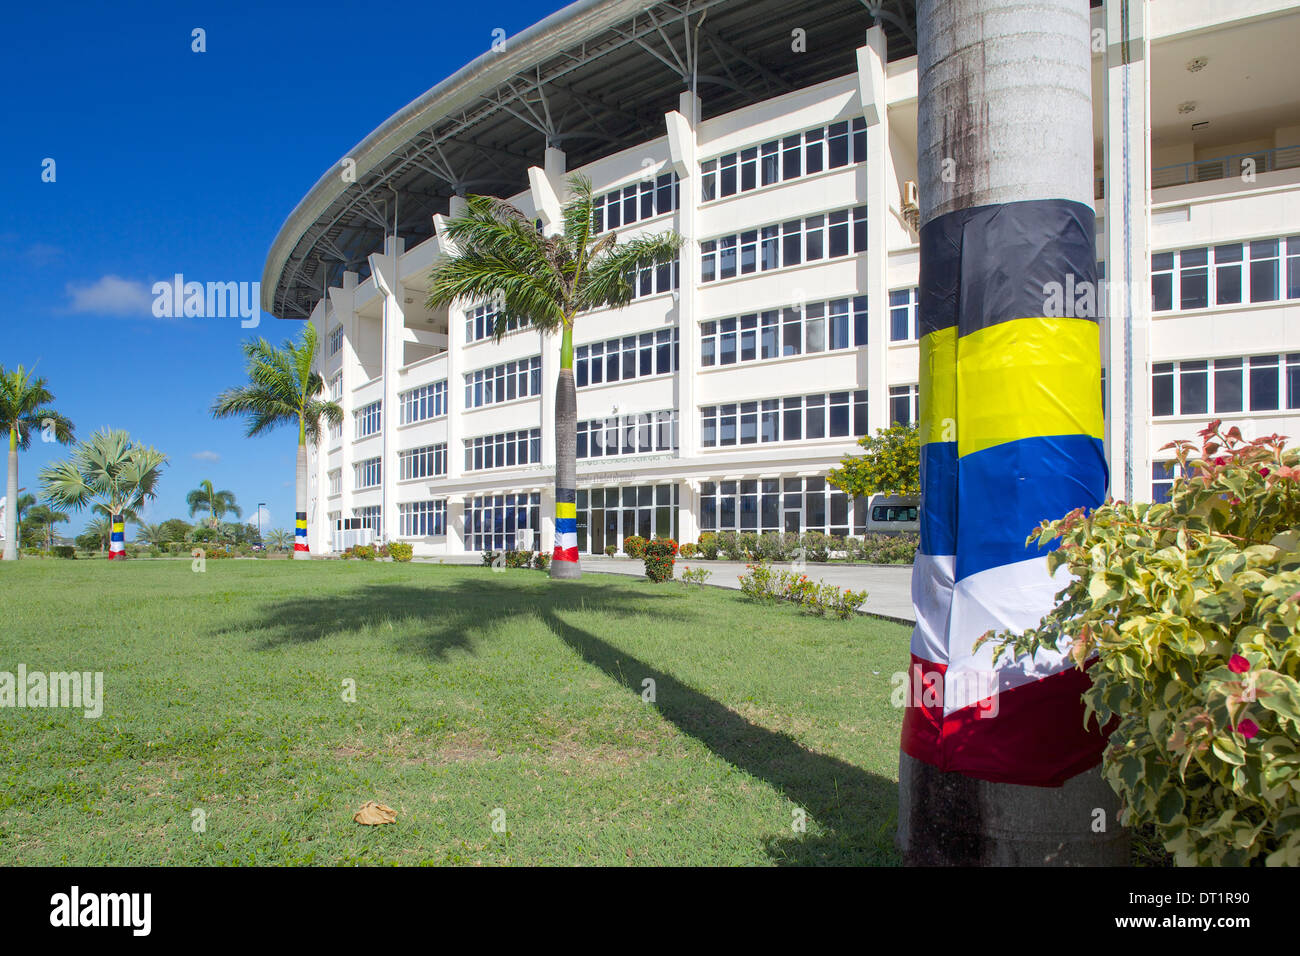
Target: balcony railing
(1219, 167)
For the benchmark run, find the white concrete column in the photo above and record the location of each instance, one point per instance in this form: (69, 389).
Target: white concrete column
(873, 268)
(343, 302)
(684, 152)
(1126, 209)
(387, 272)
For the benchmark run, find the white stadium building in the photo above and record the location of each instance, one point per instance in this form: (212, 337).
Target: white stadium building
(779, 139)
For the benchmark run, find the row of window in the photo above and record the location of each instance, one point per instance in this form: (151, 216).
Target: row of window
(640, 434)
(797, 418)
(495, 522)
(481, 323)
(794, 505)
(817, 327)
(367, 421)
(423, 403)
(643, 200)
(504, 450)
(504, 382)
(336, 340)
(429, 461)
(654, 280)
(1265, 270)
(422, 519)
(651, 353)
(608, 515)
(1259, 383)
(368, 473)
(781, 245)
(781, 160)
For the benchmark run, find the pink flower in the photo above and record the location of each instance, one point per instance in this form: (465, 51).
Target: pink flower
(1264, 472)
(1238, 664)
(1248, 728)
(1220, 460)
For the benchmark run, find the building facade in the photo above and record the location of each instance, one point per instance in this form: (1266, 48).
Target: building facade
(738, 377)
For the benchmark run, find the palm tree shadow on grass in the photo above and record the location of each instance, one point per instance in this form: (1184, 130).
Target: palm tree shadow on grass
(855, 810)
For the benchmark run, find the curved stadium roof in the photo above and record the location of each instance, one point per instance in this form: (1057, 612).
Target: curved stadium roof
(592, 79)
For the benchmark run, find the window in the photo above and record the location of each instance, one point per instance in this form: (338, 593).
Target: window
(336, 388)
(423, 403)
(504, 450)
(645, 433)
(1259, 383)
(780, 504)
(481, 323)
(427, 462)
(655, 196)
(1163, 474)
(336, 482)
(1263, 270)
(370, 517)
(831, 236)
(832, 415)
(336, 340)
(903, 315)
(368, 473)
(818, 327)
(367, 421)
(655, 280)
(495, 522)
(633, 356)
(904, 404)
(422, 519)
(504, 383)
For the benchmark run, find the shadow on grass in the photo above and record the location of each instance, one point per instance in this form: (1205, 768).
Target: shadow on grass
(856, 810)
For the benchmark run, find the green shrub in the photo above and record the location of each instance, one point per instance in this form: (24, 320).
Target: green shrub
(659, 555)
(542, 561)
(364, 552)
(695, 575)
(687, 549)
(634, 546)
(401, 551)
(729, 546)
(489, 558)
(611, 550)
(519, 559)
(816, 546)
(1187, 615)
(775, 546)
(708, 545)
(64, 551)
(215, 552)
(884, 548)
(761, 582)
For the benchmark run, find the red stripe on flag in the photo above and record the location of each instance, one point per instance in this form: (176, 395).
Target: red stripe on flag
(116, 555)
(1034, 737)
(299, 547)
(565, 554)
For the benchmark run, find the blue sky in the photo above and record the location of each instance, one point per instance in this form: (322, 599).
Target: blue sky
(170, 161)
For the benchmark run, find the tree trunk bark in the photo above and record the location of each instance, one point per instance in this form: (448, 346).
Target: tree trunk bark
(564, 560)
(11, 500)
(300, 550)
(1005, 172)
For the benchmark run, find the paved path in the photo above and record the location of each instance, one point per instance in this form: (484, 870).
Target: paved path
(888, 587)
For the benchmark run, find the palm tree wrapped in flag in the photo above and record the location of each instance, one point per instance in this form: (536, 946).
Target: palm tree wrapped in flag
(282, 389)
(110, 472)
(546, 281)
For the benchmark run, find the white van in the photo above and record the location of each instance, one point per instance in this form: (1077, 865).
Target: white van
(892, 514)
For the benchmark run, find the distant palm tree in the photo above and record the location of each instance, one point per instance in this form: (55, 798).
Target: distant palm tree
(215, 503)
(279, 539)
(547, 281)
(282, 390)
(101, 528)
(109, 471)
(24, 406)
(25, 502)
(42, 519)
(156, 535)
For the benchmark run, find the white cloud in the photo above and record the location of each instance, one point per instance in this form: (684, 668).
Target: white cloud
(112, 295)
(209, 456)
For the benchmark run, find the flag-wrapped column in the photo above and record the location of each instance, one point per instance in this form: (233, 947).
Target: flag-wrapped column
(1011, 434)
(300, 533)
(566, 525)
(117, 538)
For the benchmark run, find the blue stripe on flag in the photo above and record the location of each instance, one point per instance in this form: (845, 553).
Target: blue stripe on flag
(566, 525)
(1005, 492)
(939, 494)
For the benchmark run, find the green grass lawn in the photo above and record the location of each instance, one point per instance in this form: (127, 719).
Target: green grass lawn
(475, 691)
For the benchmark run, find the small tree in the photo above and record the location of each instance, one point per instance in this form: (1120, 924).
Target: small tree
(1187, 617)
(890, 464)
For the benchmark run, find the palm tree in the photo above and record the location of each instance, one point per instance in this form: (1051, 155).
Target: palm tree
(42, 519)
(278, 539)
(23, 505)
(100, 528)
(25, 405)
(215, 503)
(109, 472)
(547, 281)
(282, 390)
(156, 535)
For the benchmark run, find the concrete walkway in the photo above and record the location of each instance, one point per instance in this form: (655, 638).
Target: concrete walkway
(888, 586)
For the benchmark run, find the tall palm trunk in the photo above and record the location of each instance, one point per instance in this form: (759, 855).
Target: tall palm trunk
(11, 499)
(564, 562)
(300, 551)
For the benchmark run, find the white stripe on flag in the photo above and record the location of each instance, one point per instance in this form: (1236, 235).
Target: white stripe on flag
(932, 598)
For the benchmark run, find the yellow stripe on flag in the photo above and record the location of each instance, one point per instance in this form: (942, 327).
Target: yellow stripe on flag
(566, 509)
(302, 522)
(938, 412)
(1028, 378)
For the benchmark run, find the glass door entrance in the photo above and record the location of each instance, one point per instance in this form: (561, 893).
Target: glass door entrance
(608, 515)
